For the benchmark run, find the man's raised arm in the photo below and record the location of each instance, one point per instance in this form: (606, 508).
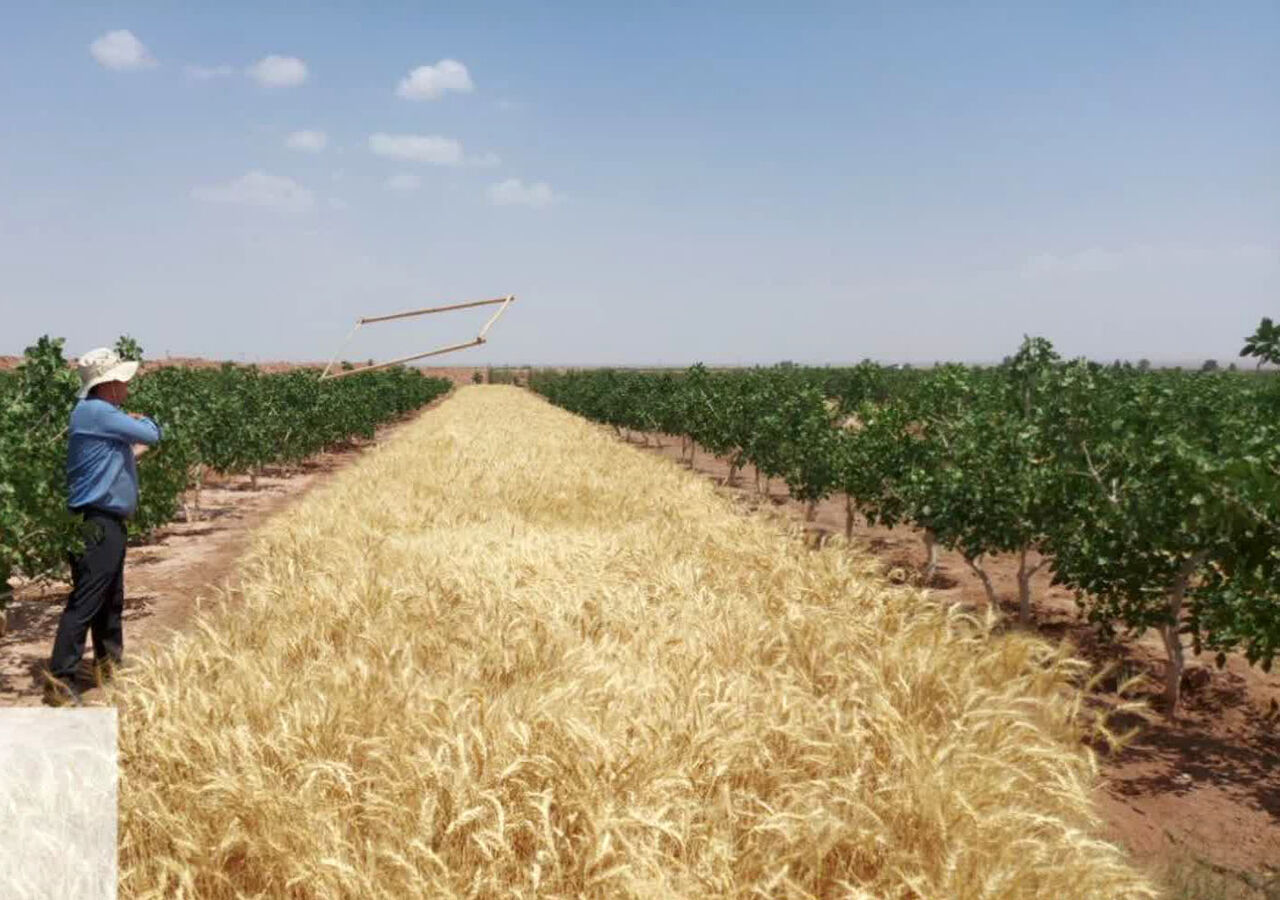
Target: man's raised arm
(131, 427)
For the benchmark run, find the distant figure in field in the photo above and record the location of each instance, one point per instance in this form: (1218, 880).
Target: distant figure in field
(102, 488)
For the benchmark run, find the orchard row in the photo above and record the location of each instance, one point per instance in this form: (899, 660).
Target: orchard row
(1153, 495)
(231, 420)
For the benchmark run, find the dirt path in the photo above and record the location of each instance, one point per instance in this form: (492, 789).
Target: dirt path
(167, 576)
(1204, 791)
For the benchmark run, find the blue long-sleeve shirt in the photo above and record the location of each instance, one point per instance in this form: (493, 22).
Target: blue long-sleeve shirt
(101, 472)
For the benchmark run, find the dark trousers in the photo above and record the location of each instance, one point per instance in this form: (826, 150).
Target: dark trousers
(97, 598)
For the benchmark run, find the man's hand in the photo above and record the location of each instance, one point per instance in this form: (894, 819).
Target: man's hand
(139, 449)
(136, 416)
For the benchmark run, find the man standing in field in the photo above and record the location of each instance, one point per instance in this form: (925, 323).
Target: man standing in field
(102, 483)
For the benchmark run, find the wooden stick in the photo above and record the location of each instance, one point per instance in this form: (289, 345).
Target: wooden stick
(365, 320)
(405, 359)
(480, 338)
(494, 317)
(345, 341)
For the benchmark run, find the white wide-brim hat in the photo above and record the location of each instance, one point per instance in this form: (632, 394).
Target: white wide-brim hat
(100, 366)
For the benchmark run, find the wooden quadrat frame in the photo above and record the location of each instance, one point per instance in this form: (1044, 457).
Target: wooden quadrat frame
(367, 320)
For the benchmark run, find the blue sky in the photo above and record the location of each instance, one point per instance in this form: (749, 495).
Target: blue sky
(715, 182)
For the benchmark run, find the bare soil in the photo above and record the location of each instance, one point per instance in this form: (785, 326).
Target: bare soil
(1202, 791)
(167, 575)
(456, 374)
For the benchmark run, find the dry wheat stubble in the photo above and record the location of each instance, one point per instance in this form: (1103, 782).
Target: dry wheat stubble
(504, 655)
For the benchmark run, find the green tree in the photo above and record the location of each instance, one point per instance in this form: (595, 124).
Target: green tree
(1151, 494)
(128, 348)
(1264, 344)
(987, 486)
(36, 532)
(235, 419)
(1169, 491)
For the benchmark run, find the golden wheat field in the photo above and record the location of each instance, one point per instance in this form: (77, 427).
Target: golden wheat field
(505, 655)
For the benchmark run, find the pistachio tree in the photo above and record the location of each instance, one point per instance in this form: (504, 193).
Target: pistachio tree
(1264, 343)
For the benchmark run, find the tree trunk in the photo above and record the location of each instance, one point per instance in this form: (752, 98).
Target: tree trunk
(811, 511)
(848, 517)
(757, 481)
(6, 597)
(1173, 668)
(931, 555)
(976, 565)
(1024, 586)
(1172, 637)
(732, 476)
(199, 479)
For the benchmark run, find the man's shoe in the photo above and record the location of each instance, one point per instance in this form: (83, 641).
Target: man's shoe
(60, 693)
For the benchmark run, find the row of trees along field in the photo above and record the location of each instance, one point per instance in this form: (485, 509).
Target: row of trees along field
(1153, 494)
(231, 420)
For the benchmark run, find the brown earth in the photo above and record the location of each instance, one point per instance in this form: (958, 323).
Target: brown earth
(456, 374)
(1199, 794)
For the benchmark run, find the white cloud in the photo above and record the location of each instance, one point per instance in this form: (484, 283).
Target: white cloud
(258, 189)
(207, 73)
(338, 203)
(404, 183)
(278, 71)
(440, 151)
(307, 141)
(433, 82)
(425, 148)
(121, 50)
(514, 192)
